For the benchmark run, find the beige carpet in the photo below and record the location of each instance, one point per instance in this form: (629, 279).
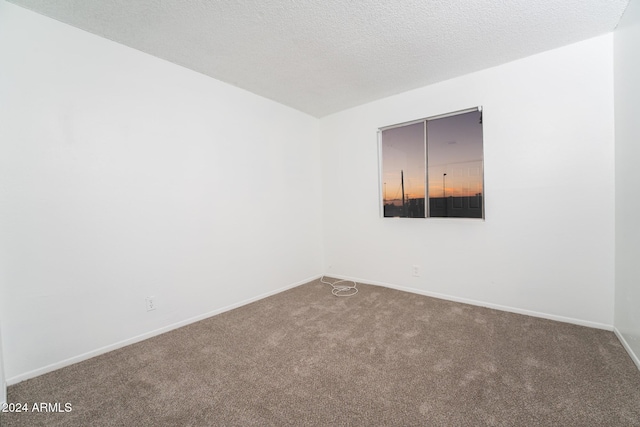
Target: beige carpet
(382, 357)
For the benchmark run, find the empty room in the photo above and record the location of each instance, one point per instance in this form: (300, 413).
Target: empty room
(319, 212)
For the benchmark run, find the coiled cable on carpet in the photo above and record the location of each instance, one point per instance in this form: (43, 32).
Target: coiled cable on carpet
(341, 290)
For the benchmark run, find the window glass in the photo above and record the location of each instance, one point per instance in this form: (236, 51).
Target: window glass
(403, 171)
(455, 166)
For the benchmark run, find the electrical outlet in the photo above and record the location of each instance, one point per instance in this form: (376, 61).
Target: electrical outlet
(151, 303)
(415, 270)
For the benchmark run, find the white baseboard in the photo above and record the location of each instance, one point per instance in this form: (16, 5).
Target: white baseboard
(516, 310)
(88, 355)
(627, 347)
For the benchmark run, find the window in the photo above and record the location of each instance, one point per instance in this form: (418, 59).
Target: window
(438, 160)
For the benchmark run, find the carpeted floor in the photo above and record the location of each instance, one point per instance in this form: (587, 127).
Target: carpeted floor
(382, 357)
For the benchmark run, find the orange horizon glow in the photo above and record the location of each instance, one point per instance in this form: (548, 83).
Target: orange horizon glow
(461, 180)
(451, 192)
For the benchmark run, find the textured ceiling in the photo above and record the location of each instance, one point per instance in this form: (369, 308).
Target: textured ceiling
(322, 56)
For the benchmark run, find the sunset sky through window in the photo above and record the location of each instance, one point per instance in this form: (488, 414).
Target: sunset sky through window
(454, 148)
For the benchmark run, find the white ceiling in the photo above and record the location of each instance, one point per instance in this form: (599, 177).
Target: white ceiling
(323, 56)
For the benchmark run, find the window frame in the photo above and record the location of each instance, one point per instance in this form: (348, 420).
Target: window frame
(427, 203)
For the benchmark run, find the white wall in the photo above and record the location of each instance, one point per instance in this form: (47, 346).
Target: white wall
(124, 176)
(3, 383)
(627, 106)
(547, 245)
